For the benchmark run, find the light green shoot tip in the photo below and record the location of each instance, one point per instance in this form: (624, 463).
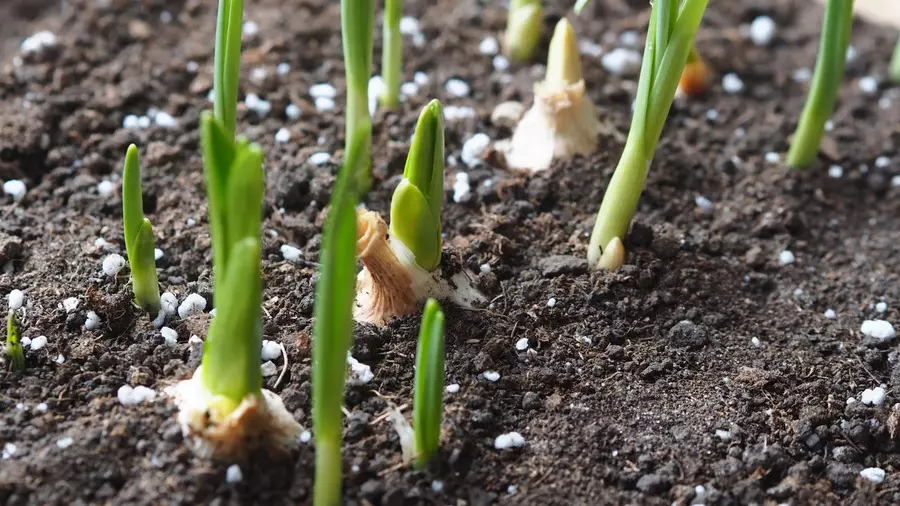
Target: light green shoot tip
(13, 343)
(416, 204)
(523, 29)
(429, 384)
(140, 244)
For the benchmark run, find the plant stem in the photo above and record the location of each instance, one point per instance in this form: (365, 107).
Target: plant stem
(357, 23)
(894, 68)
(392, 53)
(428, 399)
(226, 73)
(139, 241)
(825, 84)
(327, 487)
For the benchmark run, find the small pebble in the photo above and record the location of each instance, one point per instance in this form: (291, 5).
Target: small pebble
(762, 30)
(491, 376)
(15, 189)
(42, 407)
(105, 188)
(92, 321)
(319, 158)
(835, 172)
(551, 302)
(64, 442)
(38, 343)
(723, 435)
(731, 83)
(283, 136)
(129, 396)
(500, 63)
(16, 298)
(522, 344)
(590, 48)
(437, 486)
(630, 38)
(268, 369)
(112, 264)
(233, 474)
(704, 204)
(158, 253)
(305, 436)
(290, 253)
(70, 304)
(457, 88)
(169, 335)
(169, 303)
(258, 75)
(192, 67)
(830, 314)
(455, 112)
(509, 440)
(462, 190)
(881, 307)
(452, 388)
(873, 396)
(878, 329)
(9, 450)
(489, 46)
(165, 120)
(292, 112)
(409, 89)
(622, 62)
(895, 181)
(484, 268)
(874, 474)
(755, 342)
(829, 125)
(786, 257)
(409, 26)
(192, 305)
(259, 106)
(270, 350)
(851, 53)
(868, 85)
(507, 113)
(882, 162)
(322, 90)
(360, 374)
(772, 157)
(712, 115)
(250, 28)
(421, 78)
(39, 42)
(282, 69)
(802, 75)
(473, 148)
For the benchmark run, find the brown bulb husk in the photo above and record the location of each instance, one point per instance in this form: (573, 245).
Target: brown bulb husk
(384, 287)
(260, 422)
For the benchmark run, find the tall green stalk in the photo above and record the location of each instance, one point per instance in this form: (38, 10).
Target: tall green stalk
(669, 38)
(234, 188)
(226, 73)
(391, 53)
(826, 82)
(894, 69)
(333, 329)
(357, 24)
(139, 241)
(428, 399)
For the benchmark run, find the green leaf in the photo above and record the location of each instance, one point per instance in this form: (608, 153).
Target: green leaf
(231, 353)
(14, 344)
(523, 29)
(417, 201)
(139, 242)
(429, 384)
(580, 5)
(132, 199)
(333, 327)
(357, 24)
(226, 73)
(392, 53)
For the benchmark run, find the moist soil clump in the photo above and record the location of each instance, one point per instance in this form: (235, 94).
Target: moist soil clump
(703, 371)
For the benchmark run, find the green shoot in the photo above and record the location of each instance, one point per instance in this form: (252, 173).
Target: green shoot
(428, 399)
(826, 81)
(139, 242)
(234, 186)
(14, 344)
(333, 328)
(580, 5)
(357, 23)
(669, 38)
(391, 53)
(894, 68)
(523, 29)
(227, 69)
(416, 204)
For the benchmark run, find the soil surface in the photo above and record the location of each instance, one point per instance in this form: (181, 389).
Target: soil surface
(703, 371)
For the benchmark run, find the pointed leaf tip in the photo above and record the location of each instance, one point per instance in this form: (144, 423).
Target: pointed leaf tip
(563, 60)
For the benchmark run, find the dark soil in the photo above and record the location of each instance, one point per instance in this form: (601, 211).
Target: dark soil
(629, 375)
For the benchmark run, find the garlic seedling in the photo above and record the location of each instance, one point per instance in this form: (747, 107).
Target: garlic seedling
(402, 267)
(357, 24)
(825, 85)
(562, 122)
(428, 403)
(673, 24)
(223, 409)
(14, 350)
(696, 75)
(391, 53)
(523, 29)
(139, 241)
